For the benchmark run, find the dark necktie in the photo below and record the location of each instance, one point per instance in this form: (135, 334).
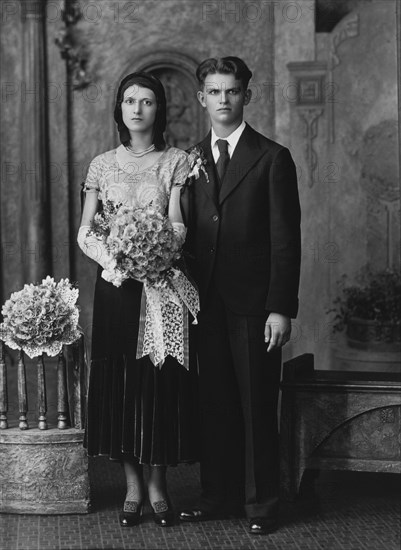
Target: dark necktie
(223, 159)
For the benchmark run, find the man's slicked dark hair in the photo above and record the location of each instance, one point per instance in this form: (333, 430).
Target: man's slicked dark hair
(224, 65)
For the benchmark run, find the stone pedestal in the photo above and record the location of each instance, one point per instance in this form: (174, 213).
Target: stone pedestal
(43, 472)
(335, 420)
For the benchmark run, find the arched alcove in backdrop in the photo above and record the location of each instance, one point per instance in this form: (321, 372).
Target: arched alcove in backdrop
(186, 120)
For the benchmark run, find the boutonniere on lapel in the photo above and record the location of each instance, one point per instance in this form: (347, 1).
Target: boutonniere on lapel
(197, 163)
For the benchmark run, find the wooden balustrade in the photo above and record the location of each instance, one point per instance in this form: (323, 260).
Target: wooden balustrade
(65, 417)
(79, 383)
(62, 396)
(22, 393)
(42, 398)
(3, 389)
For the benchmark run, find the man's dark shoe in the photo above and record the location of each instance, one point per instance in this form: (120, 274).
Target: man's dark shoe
(262, 526)
(197, 514)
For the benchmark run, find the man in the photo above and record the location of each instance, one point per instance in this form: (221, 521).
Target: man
(243, 218)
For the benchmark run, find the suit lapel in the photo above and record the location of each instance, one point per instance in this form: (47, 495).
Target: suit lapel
(211, 186)
(246, 154)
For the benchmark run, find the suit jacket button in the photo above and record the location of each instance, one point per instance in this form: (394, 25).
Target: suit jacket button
(215, 218)
(212, 250)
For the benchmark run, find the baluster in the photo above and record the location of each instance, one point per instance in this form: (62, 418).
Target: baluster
(42, 399)
(79, 382)
(3, 389)
(62, 398)
(22, 395)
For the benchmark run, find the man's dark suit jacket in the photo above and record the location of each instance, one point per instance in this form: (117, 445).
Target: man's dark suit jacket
(246, 233)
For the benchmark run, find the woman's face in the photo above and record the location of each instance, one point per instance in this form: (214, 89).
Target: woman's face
(139, 109)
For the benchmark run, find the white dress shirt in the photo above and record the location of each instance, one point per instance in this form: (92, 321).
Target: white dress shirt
(232, 140)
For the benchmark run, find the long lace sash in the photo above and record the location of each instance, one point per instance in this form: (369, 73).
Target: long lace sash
(163, 326)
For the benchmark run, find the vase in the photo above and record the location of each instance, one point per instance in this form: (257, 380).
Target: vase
(371, 335)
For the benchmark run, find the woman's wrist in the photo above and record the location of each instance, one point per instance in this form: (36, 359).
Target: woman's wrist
(91, 246)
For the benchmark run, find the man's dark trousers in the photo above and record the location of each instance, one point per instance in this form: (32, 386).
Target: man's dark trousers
(239, 390)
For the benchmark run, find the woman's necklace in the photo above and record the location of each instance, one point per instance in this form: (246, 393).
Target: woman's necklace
(141, 153)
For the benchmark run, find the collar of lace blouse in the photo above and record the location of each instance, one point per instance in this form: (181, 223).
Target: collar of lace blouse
(129, 163)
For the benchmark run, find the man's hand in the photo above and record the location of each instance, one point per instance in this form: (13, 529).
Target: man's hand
(277, 330)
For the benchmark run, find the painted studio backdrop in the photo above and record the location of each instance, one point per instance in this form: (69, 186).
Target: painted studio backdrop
(324, 84)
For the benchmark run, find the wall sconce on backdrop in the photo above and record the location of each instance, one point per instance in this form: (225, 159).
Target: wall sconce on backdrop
(69, 50)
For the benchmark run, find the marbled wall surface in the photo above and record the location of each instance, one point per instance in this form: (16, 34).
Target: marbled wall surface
(294, 40)
(11, 181)
(348, 205)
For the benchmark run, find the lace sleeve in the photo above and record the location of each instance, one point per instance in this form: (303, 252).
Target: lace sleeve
(92, 182)
(181, 169)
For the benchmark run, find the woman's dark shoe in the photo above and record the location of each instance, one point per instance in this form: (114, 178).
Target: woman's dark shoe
(163, 513)
(131, 514)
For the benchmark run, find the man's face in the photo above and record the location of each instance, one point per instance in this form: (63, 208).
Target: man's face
(224, 98)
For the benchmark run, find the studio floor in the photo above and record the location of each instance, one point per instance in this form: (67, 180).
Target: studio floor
(350, 511)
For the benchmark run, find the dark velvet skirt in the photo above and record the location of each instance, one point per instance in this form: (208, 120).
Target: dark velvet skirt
(135, 409)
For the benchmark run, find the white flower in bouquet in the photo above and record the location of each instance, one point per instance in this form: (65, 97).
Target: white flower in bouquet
(41, 318)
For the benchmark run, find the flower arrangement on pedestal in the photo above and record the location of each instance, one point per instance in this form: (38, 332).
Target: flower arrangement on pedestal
(41, 318)
(370, 309)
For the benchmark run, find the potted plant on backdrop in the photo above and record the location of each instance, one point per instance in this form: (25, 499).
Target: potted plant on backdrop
(370, 310)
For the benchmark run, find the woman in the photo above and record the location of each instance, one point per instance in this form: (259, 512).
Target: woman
(137, 413)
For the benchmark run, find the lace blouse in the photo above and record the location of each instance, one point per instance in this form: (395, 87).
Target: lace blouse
(113, 175)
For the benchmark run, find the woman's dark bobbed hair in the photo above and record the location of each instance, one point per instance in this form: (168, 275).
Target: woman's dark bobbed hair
(143, 80)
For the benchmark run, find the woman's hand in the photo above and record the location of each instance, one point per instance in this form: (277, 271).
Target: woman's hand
(89, 244)
(277, 330)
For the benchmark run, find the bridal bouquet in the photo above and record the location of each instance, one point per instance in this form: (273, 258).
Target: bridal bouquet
(140, 242)
(41, 318)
